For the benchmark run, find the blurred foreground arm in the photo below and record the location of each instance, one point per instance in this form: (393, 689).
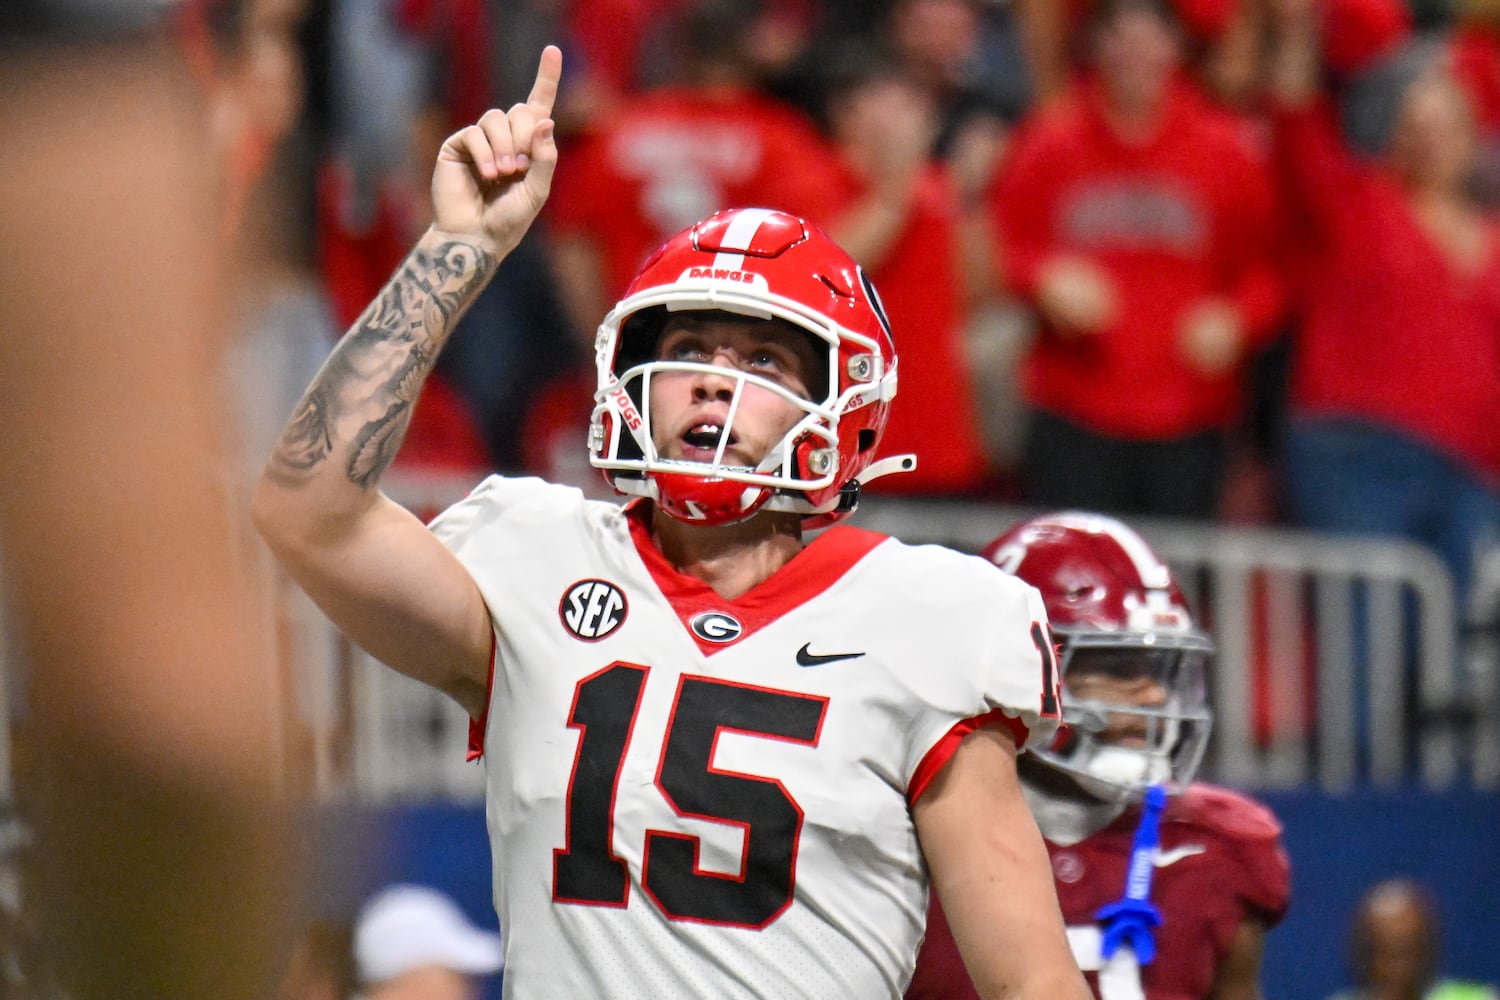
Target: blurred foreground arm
(146, 752)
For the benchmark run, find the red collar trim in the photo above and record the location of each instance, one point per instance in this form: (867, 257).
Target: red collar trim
(821, 564)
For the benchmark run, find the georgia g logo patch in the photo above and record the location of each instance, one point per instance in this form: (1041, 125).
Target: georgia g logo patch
(592, 609)
(716, 626)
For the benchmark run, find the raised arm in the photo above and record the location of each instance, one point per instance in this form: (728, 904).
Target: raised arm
(991, 874)
(372, 567)
(1322, 180)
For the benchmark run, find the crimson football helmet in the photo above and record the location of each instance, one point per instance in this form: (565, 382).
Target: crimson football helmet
(1132, 663)
(769, 265)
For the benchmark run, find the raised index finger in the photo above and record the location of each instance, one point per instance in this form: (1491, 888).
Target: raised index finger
(544, 91)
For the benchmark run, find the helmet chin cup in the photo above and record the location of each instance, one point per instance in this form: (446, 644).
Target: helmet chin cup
(705, 500)
(1110, 773)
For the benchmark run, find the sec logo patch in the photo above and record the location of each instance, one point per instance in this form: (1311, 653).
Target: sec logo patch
(592, 609)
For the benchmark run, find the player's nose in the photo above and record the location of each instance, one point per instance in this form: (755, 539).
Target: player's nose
(720, 378)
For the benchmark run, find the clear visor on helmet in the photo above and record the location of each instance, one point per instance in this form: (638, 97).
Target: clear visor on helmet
(1134, 709)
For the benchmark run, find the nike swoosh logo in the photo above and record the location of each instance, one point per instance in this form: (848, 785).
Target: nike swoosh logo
(1176, 854)
(806, 659)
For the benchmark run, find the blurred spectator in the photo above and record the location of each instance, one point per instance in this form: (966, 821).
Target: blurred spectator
(1354, 34)
(898, 214)
(779, 36)
(1476, 62)
(705, 141)
(1136, 222)
(1222, 42)
(1396, 365)
(282, 322)
(246, 54)
(412, 942)
(405, 74)
(967, 57)
(1395, 948)
(711, 139)
(1219, 44)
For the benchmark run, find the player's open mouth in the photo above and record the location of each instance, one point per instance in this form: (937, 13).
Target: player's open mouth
(706, 437)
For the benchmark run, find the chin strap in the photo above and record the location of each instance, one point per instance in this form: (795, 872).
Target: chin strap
(1129, 920)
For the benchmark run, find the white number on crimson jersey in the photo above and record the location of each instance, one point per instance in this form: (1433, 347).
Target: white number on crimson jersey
(1119, 975)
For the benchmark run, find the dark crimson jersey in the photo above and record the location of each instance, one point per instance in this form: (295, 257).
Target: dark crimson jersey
(1220, 862)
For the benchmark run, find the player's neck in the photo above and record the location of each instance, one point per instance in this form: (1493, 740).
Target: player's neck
(733, 558)
(1064, 812)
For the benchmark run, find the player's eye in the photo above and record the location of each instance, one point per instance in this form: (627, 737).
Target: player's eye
(681, 348)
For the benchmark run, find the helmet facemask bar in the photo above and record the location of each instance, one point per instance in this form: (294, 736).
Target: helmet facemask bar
(776, 470)
(1119, 740)
(806, 459)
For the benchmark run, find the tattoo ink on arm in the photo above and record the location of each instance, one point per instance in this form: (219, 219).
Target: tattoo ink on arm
(360, 404)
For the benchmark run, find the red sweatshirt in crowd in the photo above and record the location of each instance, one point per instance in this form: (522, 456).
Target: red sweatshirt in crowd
(935, 414)
(1393, 331)
(1184, 216)
(678, 155)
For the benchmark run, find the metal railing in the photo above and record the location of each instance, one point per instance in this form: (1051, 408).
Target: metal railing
(1339, 663)
(1338, 660)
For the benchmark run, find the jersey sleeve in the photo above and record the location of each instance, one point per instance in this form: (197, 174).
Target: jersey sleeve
(1252, 837)
(524, 501)
(1005, 672)
(1267, 887)
(497, 532)
(505, 531)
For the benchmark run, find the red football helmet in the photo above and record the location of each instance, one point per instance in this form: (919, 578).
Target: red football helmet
(769, 265)
(1132, 663)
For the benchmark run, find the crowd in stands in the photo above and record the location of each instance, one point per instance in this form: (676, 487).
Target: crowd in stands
(1224, 260)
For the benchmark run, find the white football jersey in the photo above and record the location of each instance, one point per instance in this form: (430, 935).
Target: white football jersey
(689, 796)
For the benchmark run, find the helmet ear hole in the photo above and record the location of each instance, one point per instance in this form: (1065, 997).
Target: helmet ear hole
(867, 439)
(638, 338)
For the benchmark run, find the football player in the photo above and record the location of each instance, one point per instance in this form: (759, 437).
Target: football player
(721, 759)
(1168, 885)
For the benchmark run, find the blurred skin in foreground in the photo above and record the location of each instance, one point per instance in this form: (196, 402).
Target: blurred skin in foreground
(146, 757)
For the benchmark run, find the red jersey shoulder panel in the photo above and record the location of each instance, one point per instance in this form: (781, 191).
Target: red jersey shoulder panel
(1250, 834)
(1224, 811)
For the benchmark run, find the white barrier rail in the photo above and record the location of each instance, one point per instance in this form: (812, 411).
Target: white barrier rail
(1299, 697)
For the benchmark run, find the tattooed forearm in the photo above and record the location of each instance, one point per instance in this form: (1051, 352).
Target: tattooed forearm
(360, 404)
